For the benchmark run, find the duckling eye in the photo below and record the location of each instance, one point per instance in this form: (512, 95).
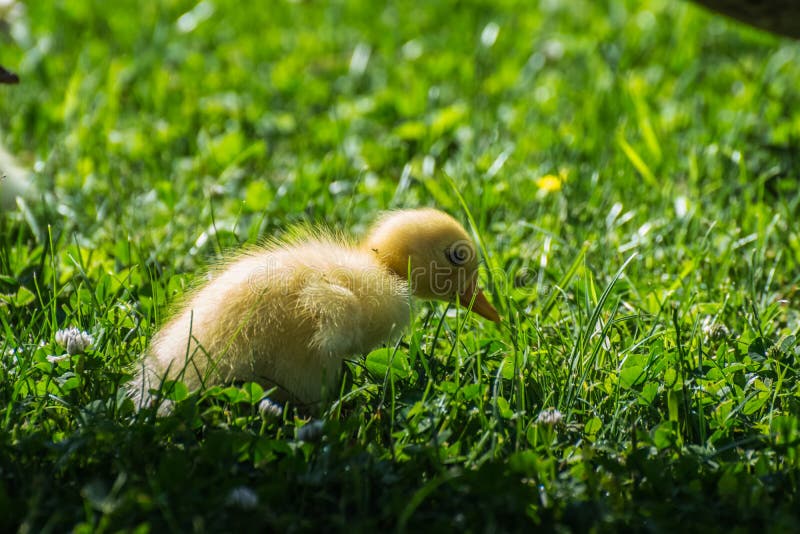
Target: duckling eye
(459, 254)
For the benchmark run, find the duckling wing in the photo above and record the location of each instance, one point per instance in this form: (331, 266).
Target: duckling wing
(353, 304)
(336, 314)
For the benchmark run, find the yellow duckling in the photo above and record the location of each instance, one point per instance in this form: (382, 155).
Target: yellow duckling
(287, 314)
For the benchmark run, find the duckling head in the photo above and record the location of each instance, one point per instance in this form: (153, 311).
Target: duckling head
(434, 253)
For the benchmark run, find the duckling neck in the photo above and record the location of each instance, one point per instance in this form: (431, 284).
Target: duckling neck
(395, 262)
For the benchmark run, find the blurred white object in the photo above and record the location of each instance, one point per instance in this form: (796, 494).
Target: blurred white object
(15, 180)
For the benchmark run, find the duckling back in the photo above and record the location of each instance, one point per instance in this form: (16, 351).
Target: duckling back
(284, 315)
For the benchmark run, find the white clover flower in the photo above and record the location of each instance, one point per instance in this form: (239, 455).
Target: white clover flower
(74, 340)
(712, 330)
(13, 352)
(311, 431)
(268, 408)
(550, 417)
(242, 497)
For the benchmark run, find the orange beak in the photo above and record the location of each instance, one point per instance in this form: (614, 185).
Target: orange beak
(480, 305)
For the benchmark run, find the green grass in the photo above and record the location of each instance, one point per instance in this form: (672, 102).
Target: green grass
(652, 299)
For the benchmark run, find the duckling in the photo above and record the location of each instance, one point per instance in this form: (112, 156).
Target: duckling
(287, 314)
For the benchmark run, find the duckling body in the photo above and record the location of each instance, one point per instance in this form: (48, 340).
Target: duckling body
(289, 313)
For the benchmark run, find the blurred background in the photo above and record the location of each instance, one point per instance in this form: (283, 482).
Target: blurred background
(139, 120)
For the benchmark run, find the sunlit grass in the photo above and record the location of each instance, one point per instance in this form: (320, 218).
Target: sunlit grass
(629, 170)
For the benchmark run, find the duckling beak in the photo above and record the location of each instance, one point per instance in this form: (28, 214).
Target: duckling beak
(480, 305)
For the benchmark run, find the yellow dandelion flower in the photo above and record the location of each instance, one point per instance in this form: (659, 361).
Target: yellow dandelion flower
(552, 183)
(549, 183)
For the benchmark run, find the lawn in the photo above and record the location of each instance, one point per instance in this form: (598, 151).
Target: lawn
(630, 167)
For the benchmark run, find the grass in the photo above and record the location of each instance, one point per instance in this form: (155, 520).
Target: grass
(630, 167)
